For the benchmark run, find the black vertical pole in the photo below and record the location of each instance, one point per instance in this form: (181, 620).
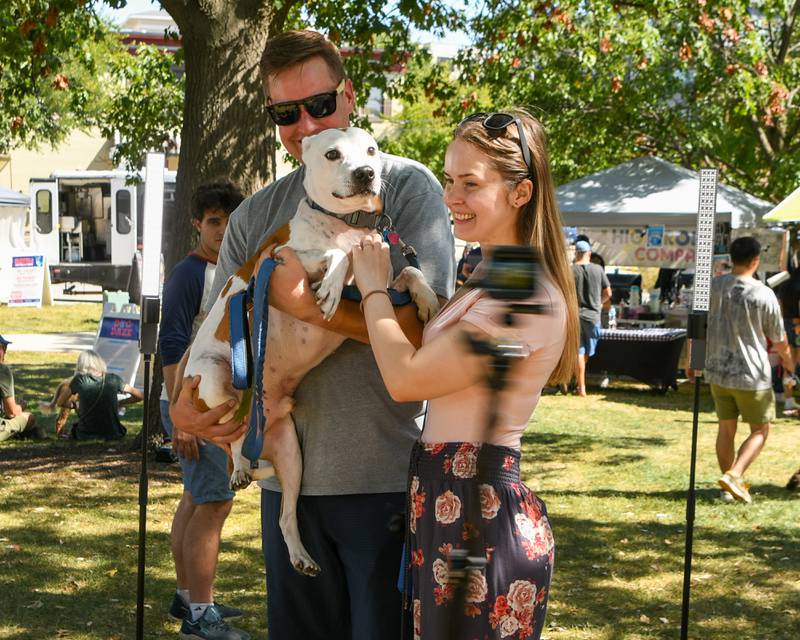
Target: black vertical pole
(143, 503)
(697, 334)
(690, 505)
(697, 328)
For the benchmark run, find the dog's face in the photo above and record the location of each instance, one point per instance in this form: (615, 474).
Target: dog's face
(343, 170)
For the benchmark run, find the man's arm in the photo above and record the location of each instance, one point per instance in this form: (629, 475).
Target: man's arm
(291, 293)
(169, 371)
(783, 350)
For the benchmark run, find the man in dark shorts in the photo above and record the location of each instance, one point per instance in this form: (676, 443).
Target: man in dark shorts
(593, 289)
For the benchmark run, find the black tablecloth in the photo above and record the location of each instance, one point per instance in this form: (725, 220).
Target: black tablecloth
(649, 355)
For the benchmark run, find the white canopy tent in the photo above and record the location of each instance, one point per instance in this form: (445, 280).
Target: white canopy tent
(650, 191)
(13, 213)
(643, 213)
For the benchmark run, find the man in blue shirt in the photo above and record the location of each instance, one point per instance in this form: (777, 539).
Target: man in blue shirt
(207, 498)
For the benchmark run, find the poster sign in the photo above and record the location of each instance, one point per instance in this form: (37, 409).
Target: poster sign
(773, 246)
(27, 281)
(655, 236)
(117, 342)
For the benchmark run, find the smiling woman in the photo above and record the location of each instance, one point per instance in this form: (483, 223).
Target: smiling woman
(499, 191)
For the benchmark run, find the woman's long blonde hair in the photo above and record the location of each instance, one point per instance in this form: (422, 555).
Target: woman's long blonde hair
(539, 223)
(92, 363)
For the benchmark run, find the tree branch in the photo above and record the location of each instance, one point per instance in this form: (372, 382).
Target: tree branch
(787, 31)
(179, 11)
(762, 138)
(279, 17)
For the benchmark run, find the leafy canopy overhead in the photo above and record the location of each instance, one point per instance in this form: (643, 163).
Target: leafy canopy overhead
(699, 82)
(62, 67)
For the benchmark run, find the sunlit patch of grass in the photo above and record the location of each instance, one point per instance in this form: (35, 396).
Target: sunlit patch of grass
(60, 318)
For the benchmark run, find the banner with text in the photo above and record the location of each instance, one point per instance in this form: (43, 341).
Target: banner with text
(647, 246)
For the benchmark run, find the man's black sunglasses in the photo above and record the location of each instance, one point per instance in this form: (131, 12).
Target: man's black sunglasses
(497, 123)
(318, 106)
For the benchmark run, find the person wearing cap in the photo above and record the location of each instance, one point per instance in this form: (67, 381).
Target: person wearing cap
(13, 420)
(593, 289)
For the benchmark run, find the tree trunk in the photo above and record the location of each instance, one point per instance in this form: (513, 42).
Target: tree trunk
(226, 129)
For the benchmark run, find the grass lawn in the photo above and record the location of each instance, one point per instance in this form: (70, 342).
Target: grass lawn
(81, 316)
(612, 468)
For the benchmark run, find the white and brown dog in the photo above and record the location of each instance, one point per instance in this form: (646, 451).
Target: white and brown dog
(343, 176)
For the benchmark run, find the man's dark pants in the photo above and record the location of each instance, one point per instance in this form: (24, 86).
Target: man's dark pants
(357, 540)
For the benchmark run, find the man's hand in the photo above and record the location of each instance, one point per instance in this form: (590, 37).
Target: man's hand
(289, 289)
(186, 417)
(186, 445)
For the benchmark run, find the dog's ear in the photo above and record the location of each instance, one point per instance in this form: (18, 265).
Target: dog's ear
(306, 143)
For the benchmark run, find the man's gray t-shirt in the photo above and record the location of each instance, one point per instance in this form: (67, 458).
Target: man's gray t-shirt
(590, 280)
(742, 314)
(354, 437)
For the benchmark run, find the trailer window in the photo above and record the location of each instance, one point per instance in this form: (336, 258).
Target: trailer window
(123, 211)
(44, 211)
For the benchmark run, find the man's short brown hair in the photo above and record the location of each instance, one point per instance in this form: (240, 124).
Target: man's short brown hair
(294, 47)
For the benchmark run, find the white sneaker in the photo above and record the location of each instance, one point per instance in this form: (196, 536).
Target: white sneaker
(724, 496)
(604, 383)
(735, 486)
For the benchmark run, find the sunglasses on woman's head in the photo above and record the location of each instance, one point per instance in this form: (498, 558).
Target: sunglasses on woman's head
(317, 106)
(497, 123)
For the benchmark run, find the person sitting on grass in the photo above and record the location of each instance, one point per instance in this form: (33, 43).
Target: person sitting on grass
(14, 420)
(98, 406)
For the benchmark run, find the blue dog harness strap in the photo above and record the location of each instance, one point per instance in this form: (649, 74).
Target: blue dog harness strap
(241, 353)
(254, 440)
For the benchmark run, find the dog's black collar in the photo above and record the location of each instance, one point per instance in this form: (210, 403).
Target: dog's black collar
(359, 219)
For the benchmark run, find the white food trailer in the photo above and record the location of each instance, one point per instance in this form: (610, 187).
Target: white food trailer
(88, 224)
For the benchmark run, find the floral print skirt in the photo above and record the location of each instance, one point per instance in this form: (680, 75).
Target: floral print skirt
(452, 507)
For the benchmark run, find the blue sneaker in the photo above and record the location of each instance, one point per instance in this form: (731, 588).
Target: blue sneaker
(210, 626)
(178, 610)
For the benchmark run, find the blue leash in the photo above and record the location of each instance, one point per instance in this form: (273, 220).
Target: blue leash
(244, 351)
(247, 348)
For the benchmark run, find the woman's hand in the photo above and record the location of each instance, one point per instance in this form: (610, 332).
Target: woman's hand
(289, 289)
(371, 264)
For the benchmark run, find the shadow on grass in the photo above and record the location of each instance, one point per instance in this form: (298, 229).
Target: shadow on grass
(600, 567)
(93, 458)
(37, 382)
(68, 558)
(549, 446)
(95, 594)
(642, 396)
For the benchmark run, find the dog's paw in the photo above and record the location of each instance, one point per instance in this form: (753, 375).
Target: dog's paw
(303, 563)
(329, 293)
(240, 479)
(412, 280)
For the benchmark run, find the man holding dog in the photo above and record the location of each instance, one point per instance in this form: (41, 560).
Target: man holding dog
(207, 499)
(355, 439)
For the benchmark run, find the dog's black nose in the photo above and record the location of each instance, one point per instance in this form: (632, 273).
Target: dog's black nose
(364, 175)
